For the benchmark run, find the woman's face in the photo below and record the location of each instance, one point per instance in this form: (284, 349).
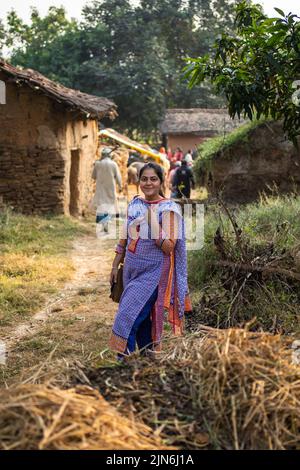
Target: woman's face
(150, 183)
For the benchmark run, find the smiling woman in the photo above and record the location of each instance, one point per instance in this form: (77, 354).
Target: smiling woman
(151, 180)
(155, 269)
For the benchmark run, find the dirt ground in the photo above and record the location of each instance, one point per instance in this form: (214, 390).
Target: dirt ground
(76, 323)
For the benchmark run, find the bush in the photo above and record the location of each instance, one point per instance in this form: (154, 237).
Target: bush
(228, 295)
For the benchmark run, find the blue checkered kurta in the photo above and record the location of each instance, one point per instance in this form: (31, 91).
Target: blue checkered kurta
(145, 270)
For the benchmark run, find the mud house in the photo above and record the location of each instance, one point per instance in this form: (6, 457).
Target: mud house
(186, 128)
(48, 142)
(259, 159)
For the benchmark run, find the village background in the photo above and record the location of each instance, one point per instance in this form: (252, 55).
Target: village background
(139, 76)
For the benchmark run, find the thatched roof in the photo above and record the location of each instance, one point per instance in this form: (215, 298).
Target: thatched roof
(199, 121)
(92, 107)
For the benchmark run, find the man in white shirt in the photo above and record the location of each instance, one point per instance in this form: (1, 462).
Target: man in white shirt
(188, 158)
(106, 173)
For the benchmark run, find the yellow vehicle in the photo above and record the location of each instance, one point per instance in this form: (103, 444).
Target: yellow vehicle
(122, 139)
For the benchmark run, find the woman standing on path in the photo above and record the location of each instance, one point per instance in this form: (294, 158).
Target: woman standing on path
(155, 268)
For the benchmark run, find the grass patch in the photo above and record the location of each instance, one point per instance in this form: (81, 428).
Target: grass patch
(34, 261)
(33, 235)
(275, 219)
(226, 297)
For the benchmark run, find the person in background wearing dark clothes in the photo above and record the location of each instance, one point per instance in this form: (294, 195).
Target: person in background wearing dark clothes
(170, 179)
(183, 180)
(134, 157)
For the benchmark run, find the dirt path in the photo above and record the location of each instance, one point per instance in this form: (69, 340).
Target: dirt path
(75, 322)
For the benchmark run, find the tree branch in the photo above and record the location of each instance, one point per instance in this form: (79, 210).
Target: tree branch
(263, 269)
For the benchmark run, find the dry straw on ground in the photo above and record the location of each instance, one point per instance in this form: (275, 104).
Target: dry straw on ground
(41, 417)
(227, 389)
(246, 386)
(239, 388)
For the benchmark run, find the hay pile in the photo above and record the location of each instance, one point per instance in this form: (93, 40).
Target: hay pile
(239, 388)
(246, 386)
(41, 417)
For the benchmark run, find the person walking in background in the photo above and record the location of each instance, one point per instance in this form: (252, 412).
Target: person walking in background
(172, 159)
(178, 155)
(170, 154)
(171, 180)
(188, 158)
(155, 269)
(106, 173)
(183, 180)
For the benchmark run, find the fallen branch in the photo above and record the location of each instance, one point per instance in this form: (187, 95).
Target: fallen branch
(262, 269)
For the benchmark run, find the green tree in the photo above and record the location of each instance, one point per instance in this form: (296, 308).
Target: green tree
(132, 66)
(131, 53)
(2, 37)
(255, 68)
(48, 44)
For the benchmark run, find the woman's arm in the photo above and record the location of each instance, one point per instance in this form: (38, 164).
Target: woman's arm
(119, 258)
(169, 233)
(165, 238)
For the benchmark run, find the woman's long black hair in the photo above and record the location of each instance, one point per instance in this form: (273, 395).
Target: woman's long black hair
(158, 170)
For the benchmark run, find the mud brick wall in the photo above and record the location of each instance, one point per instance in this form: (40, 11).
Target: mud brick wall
(28, 182)
(81, 138)
(38, 142)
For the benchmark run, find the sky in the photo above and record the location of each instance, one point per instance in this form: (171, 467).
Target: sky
(73, 7)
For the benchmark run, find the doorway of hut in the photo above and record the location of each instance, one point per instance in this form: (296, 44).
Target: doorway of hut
(74, 182)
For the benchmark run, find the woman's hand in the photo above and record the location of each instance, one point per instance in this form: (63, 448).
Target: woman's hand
(113, 275)
(153, 221)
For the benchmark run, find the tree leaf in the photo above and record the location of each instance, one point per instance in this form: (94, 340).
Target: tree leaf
(280, 12)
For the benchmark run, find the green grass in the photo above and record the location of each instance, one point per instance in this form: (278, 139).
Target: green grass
(271, 229)
(33, 235)
(34, 261)
(274, 219)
